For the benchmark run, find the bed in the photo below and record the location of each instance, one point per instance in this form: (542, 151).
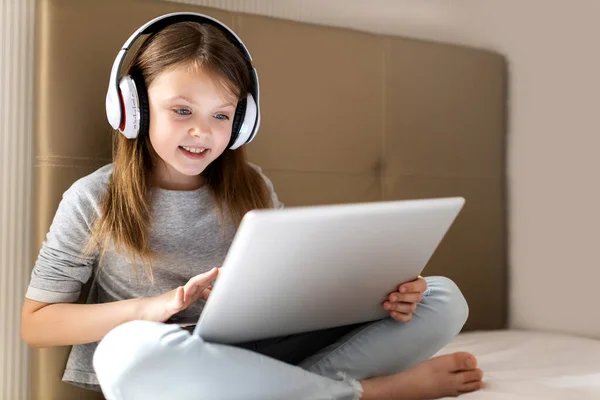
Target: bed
(398, 119)
(526, 365)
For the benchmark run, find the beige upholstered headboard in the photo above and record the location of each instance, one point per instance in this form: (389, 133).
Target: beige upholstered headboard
(346, 117)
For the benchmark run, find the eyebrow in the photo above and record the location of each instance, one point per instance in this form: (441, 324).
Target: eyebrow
(181, 97)
(228, 104)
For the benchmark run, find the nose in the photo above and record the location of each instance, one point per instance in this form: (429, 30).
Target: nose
(199, 128)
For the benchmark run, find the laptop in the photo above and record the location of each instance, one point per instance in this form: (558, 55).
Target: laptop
(301, 269)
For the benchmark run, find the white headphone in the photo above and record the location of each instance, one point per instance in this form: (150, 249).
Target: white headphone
(127, 99)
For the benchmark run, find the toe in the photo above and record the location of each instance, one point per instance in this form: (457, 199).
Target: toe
(474, 375)
(470, 361)
(471, 387)
(463, 361)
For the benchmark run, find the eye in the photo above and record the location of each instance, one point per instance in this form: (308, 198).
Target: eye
(222, 117)
(182, 111)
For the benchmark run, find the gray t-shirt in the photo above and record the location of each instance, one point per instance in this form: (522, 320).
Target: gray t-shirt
(186, 232)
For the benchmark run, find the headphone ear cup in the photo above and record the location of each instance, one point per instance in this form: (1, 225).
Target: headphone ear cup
(238, 119)
(247, 123)
(144, 106)
(130, 106)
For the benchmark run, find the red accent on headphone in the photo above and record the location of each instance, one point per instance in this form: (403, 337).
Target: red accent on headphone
(123, 113)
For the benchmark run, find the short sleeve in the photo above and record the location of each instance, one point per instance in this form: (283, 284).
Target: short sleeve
(61, 268)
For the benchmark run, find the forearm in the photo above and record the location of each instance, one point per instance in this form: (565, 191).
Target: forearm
(64, 324)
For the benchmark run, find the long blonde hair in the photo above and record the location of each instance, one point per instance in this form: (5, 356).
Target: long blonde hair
(235, 185)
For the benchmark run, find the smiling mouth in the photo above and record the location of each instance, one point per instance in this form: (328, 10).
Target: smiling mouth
(194, 153)
(194, 150)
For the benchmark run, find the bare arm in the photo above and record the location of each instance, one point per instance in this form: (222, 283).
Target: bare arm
(62, 324)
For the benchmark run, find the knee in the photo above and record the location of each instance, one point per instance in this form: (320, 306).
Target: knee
(127, 347)
(448, 301)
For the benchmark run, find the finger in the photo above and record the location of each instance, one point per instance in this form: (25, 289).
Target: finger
(205, 294)
(405, 297)
(419, 285)
(203, 280)
(208, 277)
(197, 286)
(194, 294)
(405, 308)
(401, 317)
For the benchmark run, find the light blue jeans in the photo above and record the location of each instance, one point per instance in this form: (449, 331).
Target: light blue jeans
(147, 360)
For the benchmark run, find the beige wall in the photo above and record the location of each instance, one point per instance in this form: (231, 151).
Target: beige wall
(554, 60)
(554, 139)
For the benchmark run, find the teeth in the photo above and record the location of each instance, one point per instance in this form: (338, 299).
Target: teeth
(194, 149)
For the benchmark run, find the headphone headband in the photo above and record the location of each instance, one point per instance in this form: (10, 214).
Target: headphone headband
(114, 112)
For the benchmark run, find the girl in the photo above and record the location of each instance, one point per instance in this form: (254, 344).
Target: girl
(149, 228)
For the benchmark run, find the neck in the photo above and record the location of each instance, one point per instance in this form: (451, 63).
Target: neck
(164, 178)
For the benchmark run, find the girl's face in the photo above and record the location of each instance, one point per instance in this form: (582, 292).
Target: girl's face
(191, 116)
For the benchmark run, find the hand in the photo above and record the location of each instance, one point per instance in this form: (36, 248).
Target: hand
(161, 308)
(402, 303)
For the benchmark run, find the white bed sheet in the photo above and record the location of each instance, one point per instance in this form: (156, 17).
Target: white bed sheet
(524, 365)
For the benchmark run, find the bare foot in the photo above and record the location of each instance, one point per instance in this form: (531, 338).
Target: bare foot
(443, 376)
